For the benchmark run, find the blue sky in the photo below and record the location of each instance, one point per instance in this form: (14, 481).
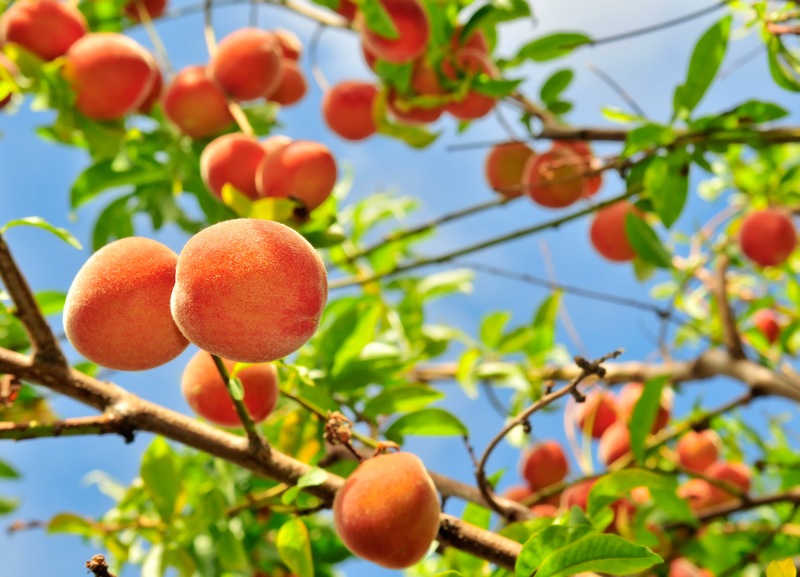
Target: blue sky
(36, 177)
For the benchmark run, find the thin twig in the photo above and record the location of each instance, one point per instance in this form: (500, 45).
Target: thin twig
(730, 334)
(615, 86)
(106, 424)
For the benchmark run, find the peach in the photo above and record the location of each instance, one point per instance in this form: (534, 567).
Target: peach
(582, 149)
(347, 9)
(628, 398)
(195, 105)
(544, 464)
(767, 322)
(614, 444)
(518, 493)
(598, 411)
(234, 159)
(110, 73)
(249, 290)
(697, 450)
(697, 492)
(767, 237)
(682, 567)
(46, 28)
(117, 309)
(607, 232)
(387, 511)
(544, 510)
(424, 82)
(476, 40)
(154, 95)
(274, 143)
(348, 109)
(577, 495)
(413, 31)
(7, 69)
(474, 105)
(554, 179)
(504, 167)
(289, 44)
(302, 170)
(153, 9)
(292, 87)
(369, 58)
(737, 474)
(204, 390)
(247, 64)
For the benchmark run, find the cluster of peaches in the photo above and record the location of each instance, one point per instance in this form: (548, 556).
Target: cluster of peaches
(246, 290)
(605, 417)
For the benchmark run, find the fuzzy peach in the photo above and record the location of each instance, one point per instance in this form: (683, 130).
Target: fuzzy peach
(767, 237)
(249, 290)
(303, 170)
(232, 159)
(289, 44)
(247, 64)
(413, 31)
(614, 444)
(736, 474)
(607, 232)
(424, 82)
(629, 396)
(599, 409)
(348, 109)
(117, 309)
(544, 464)
(47, 28)
(766, 321)
(582, 149)
(504, 167)
(577, 495)
(195, 104)
(697, 450)
(555, 178)
(292, 87)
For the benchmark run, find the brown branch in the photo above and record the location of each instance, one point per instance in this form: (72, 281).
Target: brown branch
(98, 566)
(782, 29)
(106, 424)
(730, 334)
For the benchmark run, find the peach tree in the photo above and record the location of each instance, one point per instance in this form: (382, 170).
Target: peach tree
(316, 352)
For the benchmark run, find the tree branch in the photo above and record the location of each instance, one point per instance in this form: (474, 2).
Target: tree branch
(730, 334)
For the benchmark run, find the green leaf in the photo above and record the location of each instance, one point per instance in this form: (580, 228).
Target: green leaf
(39, 222)
(51, 302)
(544, 328)
(153, 565)
(231, 552)
(378, 20)
(782, 66)
(294, 548)
(544, 543)
(556, 84)
(616, 115)
(427, 422)
(666, 181)
(445, 283)
(552, 46)
(703, 66)
(70, 523)
(645, 242)
(491, 330)
(160, 476)
(106, 175)
(785, 568)
(757, 111)
(7, 505)
(402, 399)
(608, 554)
(7, 471)
(644, 415)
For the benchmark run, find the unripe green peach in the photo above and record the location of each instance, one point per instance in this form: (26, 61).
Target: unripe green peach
(387, 511)
(117, 309)
(207, 395)
(249, 290)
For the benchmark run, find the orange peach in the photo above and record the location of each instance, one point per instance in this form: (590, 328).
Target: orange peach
(274, 143)
(111, 74)
(46, 28)
(289, 44)
(247, 64)
(424, 82)
(607, 232)
(387, 511)
(697, 450)
(555, 178)
(517, 493)
(204, 390)
(117, 309)
(577, 495)
(153, 9)
(413, 32)
(599, 409)
(697, 492)
(767, 237)
(347, 9)
(348, 109)
(629, 396)
(249, 290)
(582, 149)
(474, 105)
(544, 464)
(232, 159)
(737, 474)
(682, 567)
(195, 105)
(302, 170)
(544, 510)
(614, 444)
(504, 167)
(292, 87)
(766, 321)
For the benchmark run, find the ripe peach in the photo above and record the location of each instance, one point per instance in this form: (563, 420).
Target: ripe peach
(117, 309)
(154, 95)
(682, 567)
(348, 109)
(347, 9)
(292, 87)
(247, 64)
(249, 290)
(737, 474)
(504, 167)
(518, 493)
(582, 149)
(615, 443)
(387, 511)
(476, 40)
(544, 464)
(195, 105)
(153, 8)
(607, 232)
(698, 450)
(232, 158)
(577, 495)
(474, 105)
(369, 58)
(303, 170)
(554, 179)
(110, 73)
(46, 28)
(628, 398)
(767, 322)
(767, 237)
(413, 30)
(599, 409)
(697, 492)
(7, 68)
(544, 510)
(289, 44)
(207, 395)
(274, 143)
(424, 82)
